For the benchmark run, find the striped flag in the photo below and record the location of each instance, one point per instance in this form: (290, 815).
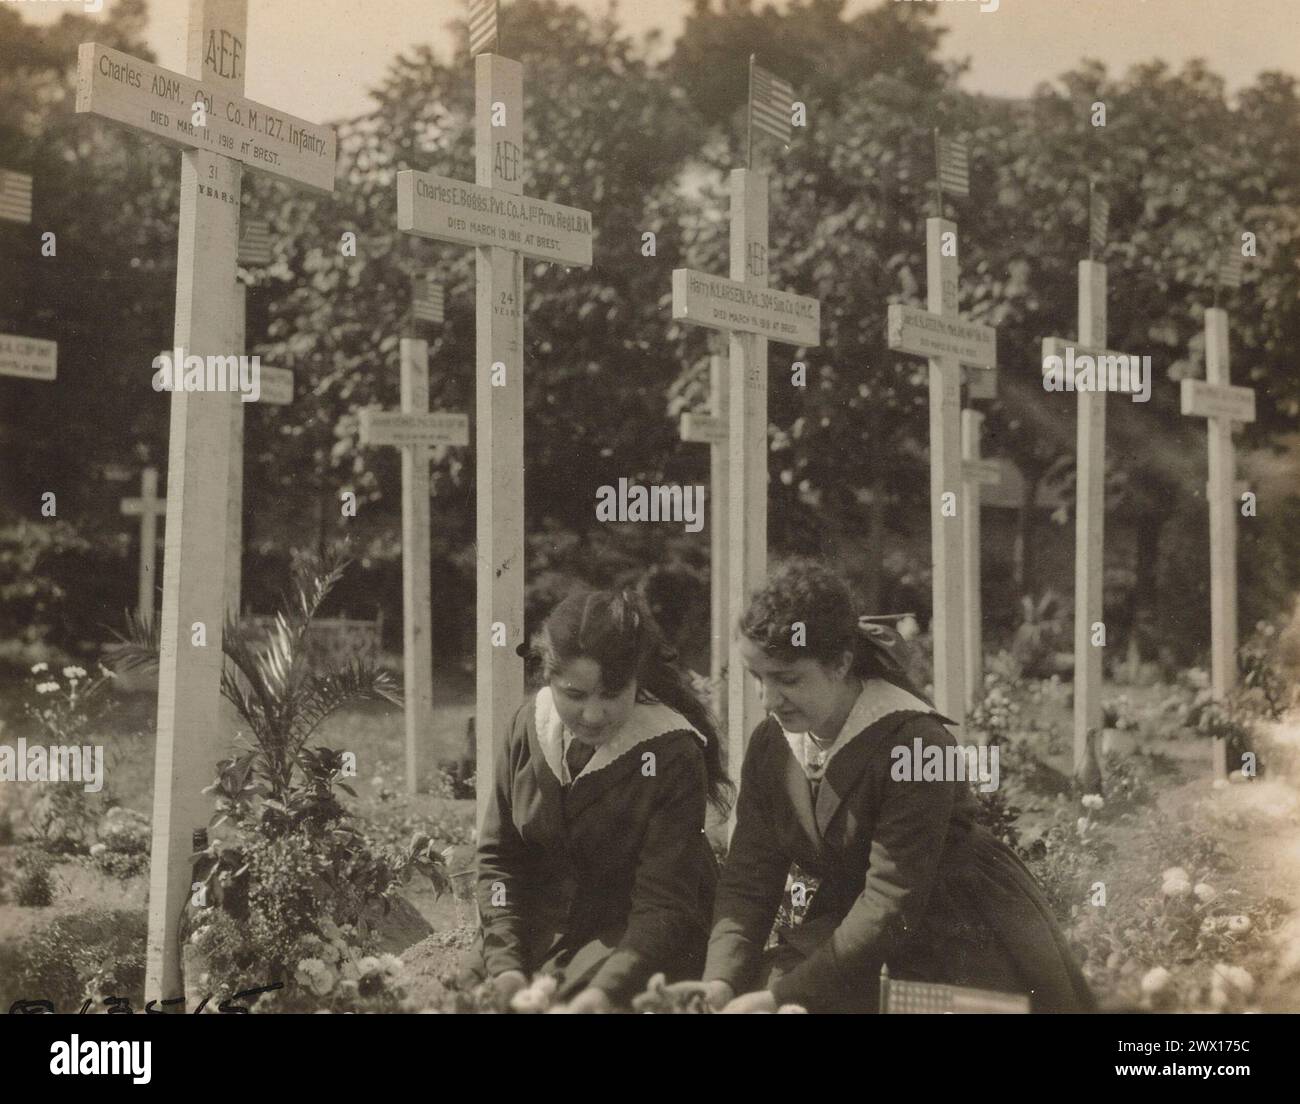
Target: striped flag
(771, 103)
(1098, 220)
(954, 165)
(482, 26)
(1232, 267)
(15, 196)
(255, 243)
(426, 299)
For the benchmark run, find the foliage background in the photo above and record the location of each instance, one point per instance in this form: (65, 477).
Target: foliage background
(644, 140)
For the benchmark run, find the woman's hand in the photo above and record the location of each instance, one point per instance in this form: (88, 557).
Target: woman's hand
(716, 994)
(588, 1001)
(759, 1001)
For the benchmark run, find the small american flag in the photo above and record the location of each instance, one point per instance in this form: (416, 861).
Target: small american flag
(426, 299)
(771, 103)
(1232, 267)
(1098, 220)
(15, 196)
(954, 165)
(255, 244)
(918, 998)
(482, 26)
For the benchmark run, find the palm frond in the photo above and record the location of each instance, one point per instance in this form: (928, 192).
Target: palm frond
(324, 692)
(139, 647)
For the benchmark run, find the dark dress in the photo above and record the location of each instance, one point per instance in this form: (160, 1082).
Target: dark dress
(907, 879)
(607, 880)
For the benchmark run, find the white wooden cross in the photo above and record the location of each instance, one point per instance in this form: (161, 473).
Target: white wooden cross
(504, 226)
(204, 112)
(752, 314)
(949, 342)
(415, 430)
(1216, 399)
(975, 473)
(148, 508)
(23, 357)
(1090, 481)
(711, 429)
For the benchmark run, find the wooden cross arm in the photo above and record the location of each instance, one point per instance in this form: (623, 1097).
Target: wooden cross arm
(988, 472)
(135, 507)
(160, 102)
(924, 333)
(737, 307)
(1122, 368)
(444, 209)
(703, 428)
(1206, 400)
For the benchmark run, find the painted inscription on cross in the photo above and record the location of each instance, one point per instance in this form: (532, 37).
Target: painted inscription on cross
(415, 431)
(505, 226)
(751, 314)
(148, 508)
(711, 429)
(949, 342)
(219, 131)
(1224, 406)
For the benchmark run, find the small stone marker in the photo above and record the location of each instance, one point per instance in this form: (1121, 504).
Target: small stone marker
(220, 131)
(1224, 406)
(148, 508)
(415, 431)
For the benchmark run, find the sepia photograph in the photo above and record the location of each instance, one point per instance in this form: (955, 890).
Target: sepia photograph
(651, 507)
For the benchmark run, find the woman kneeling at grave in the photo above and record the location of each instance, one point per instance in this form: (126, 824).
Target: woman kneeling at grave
(593, 866)
(907, 879)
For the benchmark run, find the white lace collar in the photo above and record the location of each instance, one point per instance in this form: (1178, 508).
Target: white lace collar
(648, 720)
(878, 699)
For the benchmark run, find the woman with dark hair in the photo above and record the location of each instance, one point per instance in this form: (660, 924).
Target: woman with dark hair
(593, 866)
(908, 879)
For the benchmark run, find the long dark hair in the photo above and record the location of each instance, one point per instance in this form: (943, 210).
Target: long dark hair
(806, 591)
(615, 629)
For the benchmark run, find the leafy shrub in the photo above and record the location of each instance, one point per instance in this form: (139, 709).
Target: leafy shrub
(1044, 630)
(34, 886)
(87, 955)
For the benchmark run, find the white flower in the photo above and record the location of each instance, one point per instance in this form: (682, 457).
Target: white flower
(1092, 801)
(1082, 825)
(546, 984)
(47, 687)
(40, 668)
(74, 672)
(1239, 925)
(529, 1001)
(369, 965)
(1155, 981)
(390, 963)
(1204, 893)
(97, 849)
(1176, 887)
(1175, 873)
(316, 975)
